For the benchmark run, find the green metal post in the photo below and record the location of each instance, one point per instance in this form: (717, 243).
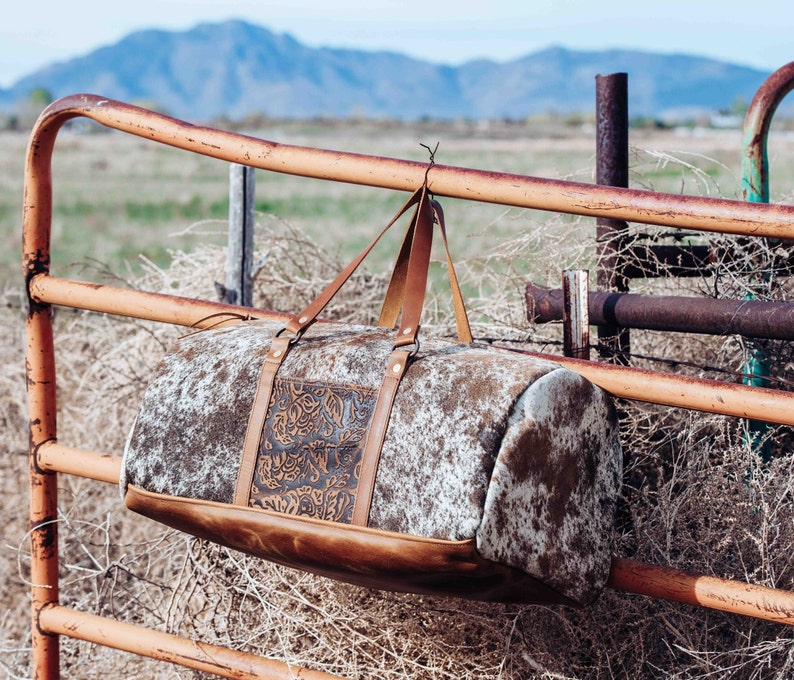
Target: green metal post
(755, 189)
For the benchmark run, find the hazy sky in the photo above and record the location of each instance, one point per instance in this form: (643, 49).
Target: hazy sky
(753, 32)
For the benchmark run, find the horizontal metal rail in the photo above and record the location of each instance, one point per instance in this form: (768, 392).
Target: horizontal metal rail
(222, 661)
(629, 576)
(686, 212)
(710, 396)
(103, 467)
(734, 597)
(47, 456)
(699, 394)
(749, 318)
(138, 304)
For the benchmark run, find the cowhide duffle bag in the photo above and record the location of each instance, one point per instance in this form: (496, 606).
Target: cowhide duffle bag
(449, 468)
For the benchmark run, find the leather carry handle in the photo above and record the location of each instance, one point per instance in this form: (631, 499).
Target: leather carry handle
(413, 298)
(418, 262)
(395, 294)
(414, 292)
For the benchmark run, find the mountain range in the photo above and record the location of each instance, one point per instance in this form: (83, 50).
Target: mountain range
(234, 69)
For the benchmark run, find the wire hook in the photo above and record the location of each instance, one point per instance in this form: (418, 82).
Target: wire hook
(432, 153)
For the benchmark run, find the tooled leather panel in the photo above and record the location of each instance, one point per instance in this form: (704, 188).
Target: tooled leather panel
(310, 455)
(358, 555)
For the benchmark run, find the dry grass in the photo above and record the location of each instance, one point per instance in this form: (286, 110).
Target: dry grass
(694, 497)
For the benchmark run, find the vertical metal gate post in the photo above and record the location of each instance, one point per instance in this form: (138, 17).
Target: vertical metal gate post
(576, 316)
(612, 169)
(41, 406)
(755, 189)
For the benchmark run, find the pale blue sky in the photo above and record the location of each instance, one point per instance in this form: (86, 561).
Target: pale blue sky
(758, 33)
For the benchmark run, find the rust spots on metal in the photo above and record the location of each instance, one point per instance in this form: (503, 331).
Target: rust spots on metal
(38, 264)
(748, 318)
(755, 160)
(35, 450)
(701, 590)
(45, 535)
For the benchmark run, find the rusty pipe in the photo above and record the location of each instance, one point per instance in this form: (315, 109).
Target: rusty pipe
(103, 467)
(734, 597)
(686, 212)
(43, 512)
(749, 318)
(612, 169)
(755, 133)
(221, 661)
(710, 396)
(632, 383)
(755, 188)
(172, 309)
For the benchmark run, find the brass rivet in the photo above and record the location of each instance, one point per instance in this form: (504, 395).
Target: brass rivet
(303, 319)
(396, 368)
(277, 353)
(406, 331)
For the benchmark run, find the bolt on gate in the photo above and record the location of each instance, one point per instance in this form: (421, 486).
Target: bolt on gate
(50, 457)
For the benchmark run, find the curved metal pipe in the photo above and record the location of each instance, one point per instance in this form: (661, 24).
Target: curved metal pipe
(686, 212)
(755, 160)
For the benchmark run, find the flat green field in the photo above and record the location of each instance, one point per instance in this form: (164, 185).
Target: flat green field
(119, 199)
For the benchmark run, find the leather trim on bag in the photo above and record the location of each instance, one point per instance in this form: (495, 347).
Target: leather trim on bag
(358, 555)
(256, 420)
(392, 303)
(395, 370)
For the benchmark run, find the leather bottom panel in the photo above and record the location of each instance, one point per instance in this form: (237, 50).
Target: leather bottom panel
(358, 555)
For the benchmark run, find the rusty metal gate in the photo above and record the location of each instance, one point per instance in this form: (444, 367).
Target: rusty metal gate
(614, 309)
(49, 457)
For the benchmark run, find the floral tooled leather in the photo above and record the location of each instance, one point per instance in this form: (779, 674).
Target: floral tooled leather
(310, 453)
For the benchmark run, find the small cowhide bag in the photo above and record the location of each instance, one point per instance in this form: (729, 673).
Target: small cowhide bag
(354, 452)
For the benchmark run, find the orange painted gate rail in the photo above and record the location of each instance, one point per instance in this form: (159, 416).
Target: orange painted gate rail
(48, 456)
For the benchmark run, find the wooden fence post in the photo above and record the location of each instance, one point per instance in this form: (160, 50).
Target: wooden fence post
(238, 289)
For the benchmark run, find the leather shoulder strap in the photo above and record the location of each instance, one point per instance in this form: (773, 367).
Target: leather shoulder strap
(256, 419)
(395, 294)
(308, 316)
